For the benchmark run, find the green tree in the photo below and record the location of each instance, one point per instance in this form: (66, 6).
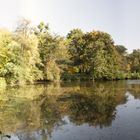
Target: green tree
(102, 55)
(51, 50)
(75, 44)
(134, 61)
(94, 53)
(121, 49)
(22, 55)
(5, 39)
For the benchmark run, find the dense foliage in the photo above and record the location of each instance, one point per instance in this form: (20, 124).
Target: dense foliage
(34, 53)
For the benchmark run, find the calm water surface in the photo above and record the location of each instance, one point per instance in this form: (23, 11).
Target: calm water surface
(71, 111)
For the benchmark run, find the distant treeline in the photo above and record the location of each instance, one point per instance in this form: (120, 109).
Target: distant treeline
(31, 54)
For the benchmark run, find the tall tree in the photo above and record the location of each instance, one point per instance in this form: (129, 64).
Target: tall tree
(75, 44)
(95, 54)
(29, 53)
(51, 50)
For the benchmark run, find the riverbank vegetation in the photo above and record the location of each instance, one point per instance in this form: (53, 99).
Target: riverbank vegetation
(31, 54)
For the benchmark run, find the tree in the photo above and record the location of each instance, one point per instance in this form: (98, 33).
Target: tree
(75, 44)
(5, 39)
(134, 61)
(102, 55)
(23, 56)
(121, 49)
(51, 50)
(94, 53)
(34, 53)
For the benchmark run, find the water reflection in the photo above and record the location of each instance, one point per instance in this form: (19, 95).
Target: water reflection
(68, 111)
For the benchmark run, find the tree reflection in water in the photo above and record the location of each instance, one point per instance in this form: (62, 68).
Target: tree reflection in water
(33, 112)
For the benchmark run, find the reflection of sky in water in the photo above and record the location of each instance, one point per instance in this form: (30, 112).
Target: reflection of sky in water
(133, 82)
(125, 126)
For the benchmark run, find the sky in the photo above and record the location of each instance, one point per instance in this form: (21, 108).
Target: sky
(119, 18)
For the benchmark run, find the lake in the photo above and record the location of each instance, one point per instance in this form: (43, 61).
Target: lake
(71, 111)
